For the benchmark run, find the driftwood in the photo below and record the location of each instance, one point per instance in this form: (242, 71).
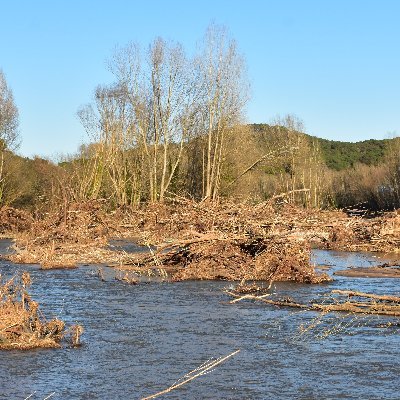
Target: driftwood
(372, 303)
(351, 293)
(196, 373)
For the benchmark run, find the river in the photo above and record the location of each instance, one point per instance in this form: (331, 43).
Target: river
(139, 339)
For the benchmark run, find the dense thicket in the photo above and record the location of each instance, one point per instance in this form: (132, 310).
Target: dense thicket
(260, 162)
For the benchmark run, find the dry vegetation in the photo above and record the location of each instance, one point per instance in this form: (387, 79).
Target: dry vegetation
(22, 326)
(203, 240)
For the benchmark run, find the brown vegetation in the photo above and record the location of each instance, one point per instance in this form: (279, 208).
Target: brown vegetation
(22, 326)
(203, 240)
(14, 221)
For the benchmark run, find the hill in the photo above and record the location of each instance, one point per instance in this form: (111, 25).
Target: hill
(340, 155)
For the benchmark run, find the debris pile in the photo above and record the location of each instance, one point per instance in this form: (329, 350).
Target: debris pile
(379, 234)
(219, 256)
(78, 233)
(13, 220)
(331, 229)
(62, 239)
(78, 223)
(22, 326)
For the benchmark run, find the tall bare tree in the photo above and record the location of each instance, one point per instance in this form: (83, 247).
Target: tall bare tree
(9, 121)
(161, 94)
(159, 103)
(9, 118)
(224, 93)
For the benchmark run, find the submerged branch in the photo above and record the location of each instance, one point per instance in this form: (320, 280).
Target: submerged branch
(379, 307)
(202, 370)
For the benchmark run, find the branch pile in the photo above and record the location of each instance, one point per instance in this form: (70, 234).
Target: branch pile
(78, 223)
(324, 229)
(79, 233)
(219, 256)
(13, 220)
(70, 235)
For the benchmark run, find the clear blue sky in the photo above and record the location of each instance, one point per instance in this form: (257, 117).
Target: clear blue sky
(335, 64)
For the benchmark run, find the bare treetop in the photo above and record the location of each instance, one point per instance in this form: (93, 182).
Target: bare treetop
(9, 120)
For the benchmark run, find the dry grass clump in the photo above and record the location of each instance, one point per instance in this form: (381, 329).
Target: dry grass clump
(22, 326)
(62, 256)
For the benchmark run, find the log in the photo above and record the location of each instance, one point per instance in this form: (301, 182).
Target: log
(262, 298)
(349, 307)
(351, 293)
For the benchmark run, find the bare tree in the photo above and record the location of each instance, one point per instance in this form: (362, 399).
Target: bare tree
(224, 93)
(9, 120)
(303, 177)
(159, 103)
(173, 108)
(161, 94)
(8, 128)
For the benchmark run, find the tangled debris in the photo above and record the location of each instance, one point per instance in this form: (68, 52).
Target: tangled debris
(22, 326)
(64, 238)
(13, 220)
(207, 241)
(223, 257)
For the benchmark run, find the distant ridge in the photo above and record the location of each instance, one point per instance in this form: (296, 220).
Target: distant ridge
(340, 155)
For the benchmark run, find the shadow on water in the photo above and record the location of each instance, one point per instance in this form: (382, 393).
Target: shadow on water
(140, 338)
(6, 247)
(129, 246)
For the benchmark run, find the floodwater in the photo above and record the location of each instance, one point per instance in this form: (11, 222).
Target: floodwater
(139, 339)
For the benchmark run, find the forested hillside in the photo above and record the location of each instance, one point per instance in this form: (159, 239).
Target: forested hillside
(341, 155)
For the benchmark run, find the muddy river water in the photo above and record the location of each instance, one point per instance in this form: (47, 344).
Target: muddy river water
(139, 339)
